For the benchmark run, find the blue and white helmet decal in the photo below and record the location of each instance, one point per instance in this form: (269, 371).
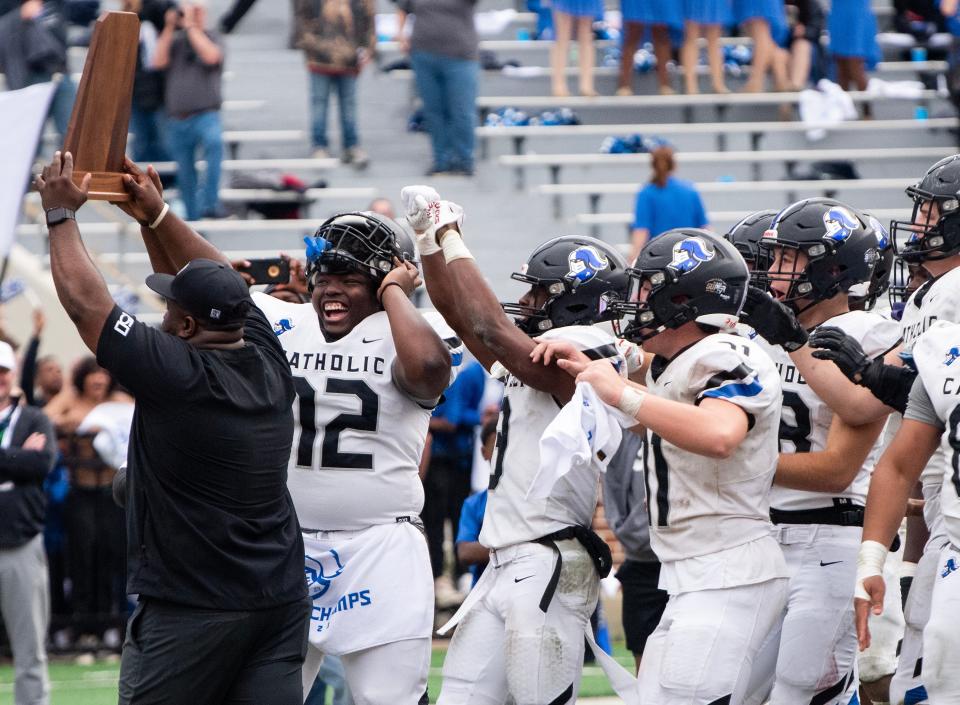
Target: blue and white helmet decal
(320, 571)
(689, 253)
(952, 355)
(585, 263)
(883, 237)
(839, 224)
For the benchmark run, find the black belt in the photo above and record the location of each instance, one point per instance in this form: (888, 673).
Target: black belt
(840, 515)
(595, 546)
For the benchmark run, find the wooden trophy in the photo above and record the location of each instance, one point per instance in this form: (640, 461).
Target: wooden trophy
(97, 134)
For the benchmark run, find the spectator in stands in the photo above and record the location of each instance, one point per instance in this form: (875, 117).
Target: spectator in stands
(192, 57)
(566, 15)
(761, 20)
(806, 21)
(95, 525)
(33, 49)
(711, 16)
(338, 38)
(853, 42)
(26, 456)
(470, 552)
(146, 115)
(41, 380)
(625, 509)
(447, 482)
(444, 52)
(660, 17)
(665, 203)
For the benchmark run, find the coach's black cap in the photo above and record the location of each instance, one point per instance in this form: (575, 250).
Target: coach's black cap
(208, 290)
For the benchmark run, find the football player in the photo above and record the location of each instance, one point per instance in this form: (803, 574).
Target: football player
(930, 241)
(815, 251)
(368, 368)
(746, 235)
(930, 423)
(521, 630)
(710, 413)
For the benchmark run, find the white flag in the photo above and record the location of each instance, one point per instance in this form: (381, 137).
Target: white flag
(22, 115)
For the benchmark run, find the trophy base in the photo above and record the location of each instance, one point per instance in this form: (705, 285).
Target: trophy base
(104, 185)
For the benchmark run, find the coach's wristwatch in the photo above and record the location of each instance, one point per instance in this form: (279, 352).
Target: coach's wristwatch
(55, 216)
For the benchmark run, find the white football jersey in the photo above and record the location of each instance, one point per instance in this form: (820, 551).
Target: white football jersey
(806, 419)
(937, 354)
(699, 505)
(511, 517)
(358, 438)
(938, 300)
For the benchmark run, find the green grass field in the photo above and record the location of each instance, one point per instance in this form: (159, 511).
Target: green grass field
(97, 685)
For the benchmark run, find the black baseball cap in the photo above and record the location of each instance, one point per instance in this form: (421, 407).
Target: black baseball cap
(208, 290)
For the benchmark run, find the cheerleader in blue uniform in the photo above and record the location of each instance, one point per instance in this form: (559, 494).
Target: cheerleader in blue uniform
(566, 13)
(853, 41)
(761, 19)
(712, 16)
(660, 17)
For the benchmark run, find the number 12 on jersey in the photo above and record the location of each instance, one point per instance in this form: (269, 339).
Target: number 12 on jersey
(330, 455)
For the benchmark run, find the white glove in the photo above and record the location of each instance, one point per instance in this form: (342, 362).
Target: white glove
(632, 353)
(426, 213)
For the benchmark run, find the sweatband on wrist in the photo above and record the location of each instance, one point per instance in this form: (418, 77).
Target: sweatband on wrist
(427, 243)
(454, 247)
(870, 562)
(631, 400)
(163, 214)
(908, 569)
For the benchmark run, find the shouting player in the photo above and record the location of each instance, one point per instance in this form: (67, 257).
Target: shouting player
(520, 633)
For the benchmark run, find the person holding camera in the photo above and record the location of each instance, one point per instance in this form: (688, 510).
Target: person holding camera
(192, 57)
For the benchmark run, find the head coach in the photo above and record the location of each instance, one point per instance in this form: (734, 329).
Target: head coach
(214, 548)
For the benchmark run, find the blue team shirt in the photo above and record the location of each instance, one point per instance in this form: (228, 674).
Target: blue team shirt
(676, 205)
(461, 407)
(471, 521)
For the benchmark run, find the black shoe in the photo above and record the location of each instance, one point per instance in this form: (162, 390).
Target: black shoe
(437, 171)
(461, 171)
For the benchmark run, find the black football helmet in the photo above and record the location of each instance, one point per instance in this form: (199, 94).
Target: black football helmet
(361, 241)
(920, 239)
(583, 277)
(865, 294)
(693, 275)
(747, 233)
(841, 250)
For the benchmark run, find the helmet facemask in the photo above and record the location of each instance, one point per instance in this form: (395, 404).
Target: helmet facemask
(341, 245)
(927, 236)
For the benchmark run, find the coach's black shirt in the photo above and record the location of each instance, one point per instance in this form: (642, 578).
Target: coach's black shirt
(209, 520)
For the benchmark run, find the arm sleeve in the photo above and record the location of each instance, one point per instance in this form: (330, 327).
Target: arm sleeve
(148, 362)
(723, 373)
(641, 214)
(920, 408)
(471, 521)
(28, 371)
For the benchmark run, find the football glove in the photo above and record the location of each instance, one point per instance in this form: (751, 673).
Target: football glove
(773, 321)
(888, 383)
(426, 214)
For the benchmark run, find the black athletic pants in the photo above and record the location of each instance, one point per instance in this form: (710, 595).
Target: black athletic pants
(445, 487)
(175, 654)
